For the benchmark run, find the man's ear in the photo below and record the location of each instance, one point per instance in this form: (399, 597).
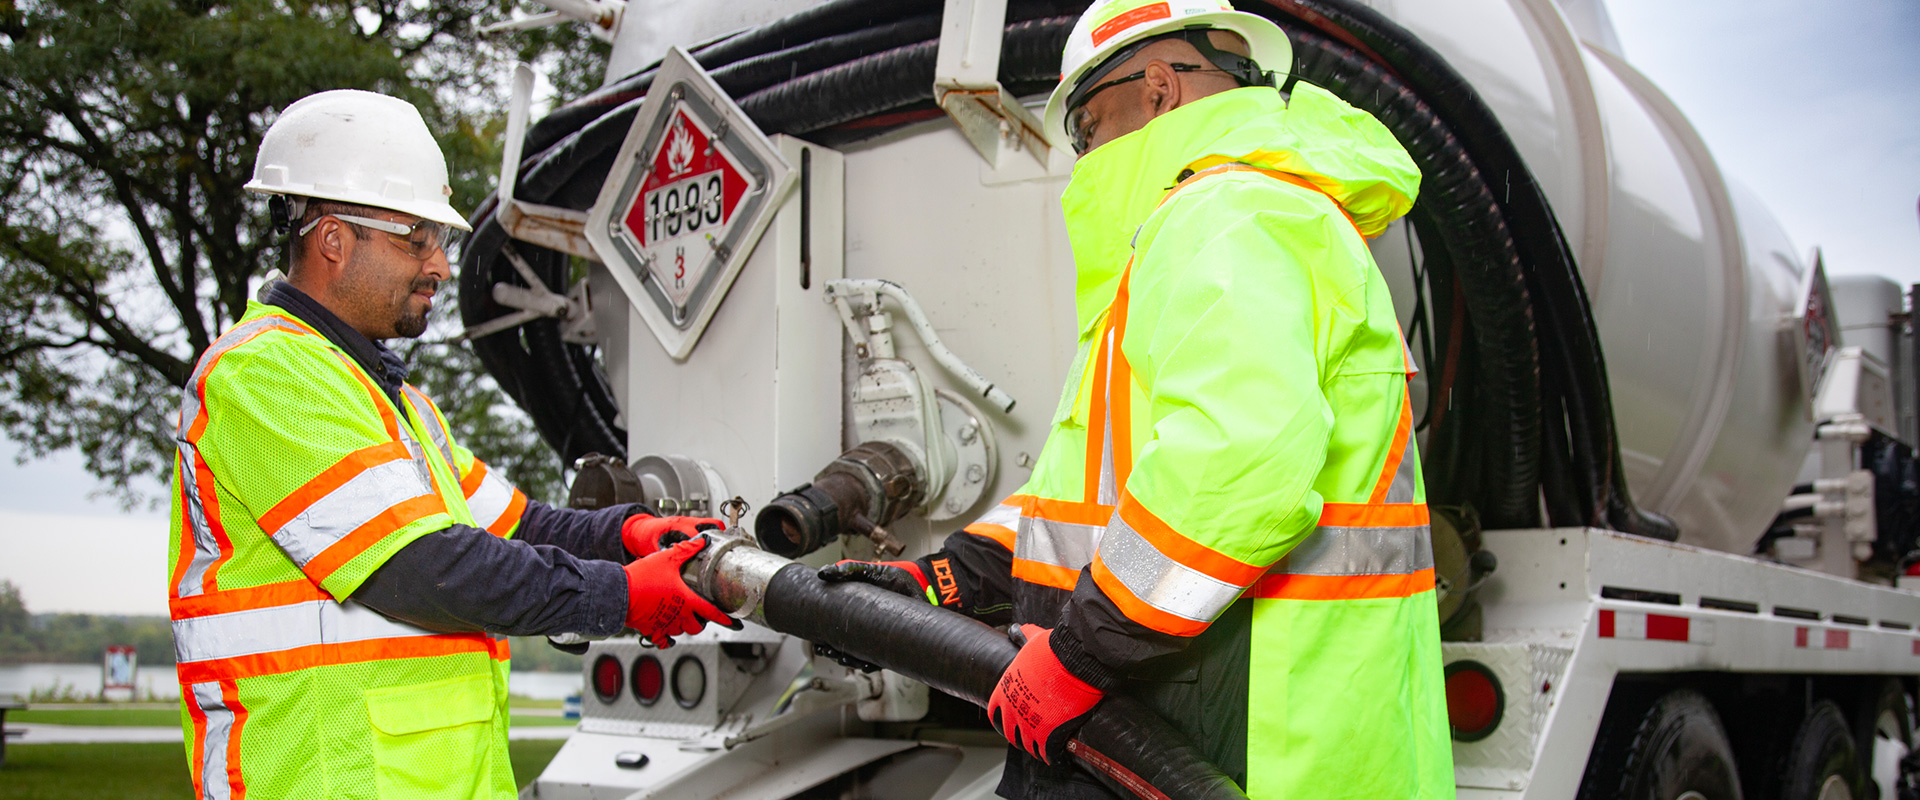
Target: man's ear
(332, 243)
(1162, 93)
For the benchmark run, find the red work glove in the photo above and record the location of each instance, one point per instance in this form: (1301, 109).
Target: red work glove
(1039, 704)
(899, 577)
(660, 605)
(645, 534)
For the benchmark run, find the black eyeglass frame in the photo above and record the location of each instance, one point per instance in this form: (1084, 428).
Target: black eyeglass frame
(1245, 71)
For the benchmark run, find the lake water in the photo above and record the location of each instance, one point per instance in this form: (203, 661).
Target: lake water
(83, 680)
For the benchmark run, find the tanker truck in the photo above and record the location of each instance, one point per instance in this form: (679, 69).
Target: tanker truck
(802, 265)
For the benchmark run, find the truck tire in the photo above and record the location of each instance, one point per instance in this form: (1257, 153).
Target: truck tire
(1675, 749)
(1822, 763)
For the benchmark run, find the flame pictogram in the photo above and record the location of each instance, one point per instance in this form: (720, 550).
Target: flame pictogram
(679, 147)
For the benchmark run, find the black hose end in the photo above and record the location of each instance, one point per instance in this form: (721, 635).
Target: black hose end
(797, 523)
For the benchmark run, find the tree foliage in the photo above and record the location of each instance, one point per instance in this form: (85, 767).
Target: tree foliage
(127, 244)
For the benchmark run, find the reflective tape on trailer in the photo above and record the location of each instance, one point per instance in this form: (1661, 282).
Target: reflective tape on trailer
(1654, 627)
(1806, 638)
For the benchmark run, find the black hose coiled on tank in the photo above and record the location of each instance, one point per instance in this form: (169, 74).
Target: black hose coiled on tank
(1534, 416)
(1584, 480)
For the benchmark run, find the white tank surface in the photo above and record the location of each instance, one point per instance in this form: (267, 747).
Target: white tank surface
(1692, 286)
(1691, 282)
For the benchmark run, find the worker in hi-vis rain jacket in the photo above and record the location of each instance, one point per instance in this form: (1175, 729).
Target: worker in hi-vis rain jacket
(340, 565)
(1227, 520)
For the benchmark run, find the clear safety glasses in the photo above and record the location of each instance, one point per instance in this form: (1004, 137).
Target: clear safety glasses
(418, 240)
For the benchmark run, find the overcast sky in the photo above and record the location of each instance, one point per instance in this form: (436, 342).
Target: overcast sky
(1814, 106)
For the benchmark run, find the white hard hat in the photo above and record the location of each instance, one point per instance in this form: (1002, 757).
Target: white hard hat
(1110, 26)
(356, 147)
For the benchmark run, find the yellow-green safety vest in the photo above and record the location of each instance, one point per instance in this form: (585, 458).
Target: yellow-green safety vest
(1237, 425)
(295, 477)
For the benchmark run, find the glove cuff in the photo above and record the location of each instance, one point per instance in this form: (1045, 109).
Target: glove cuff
(1079, 663)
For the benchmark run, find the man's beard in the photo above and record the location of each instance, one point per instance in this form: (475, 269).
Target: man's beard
(410, 324)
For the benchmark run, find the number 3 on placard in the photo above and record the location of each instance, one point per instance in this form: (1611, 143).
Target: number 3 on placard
(679, 268)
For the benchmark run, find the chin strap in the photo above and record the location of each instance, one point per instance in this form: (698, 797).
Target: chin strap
(1243, 69)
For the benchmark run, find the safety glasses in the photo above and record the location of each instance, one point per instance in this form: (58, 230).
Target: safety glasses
(418, 240)
(1077, 129)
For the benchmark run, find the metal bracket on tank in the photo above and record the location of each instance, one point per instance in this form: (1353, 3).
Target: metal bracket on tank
(950, 440)
(966, 83)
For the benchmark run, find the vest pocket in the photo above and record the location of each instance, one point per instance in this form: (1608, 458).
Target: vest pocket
(433, 740)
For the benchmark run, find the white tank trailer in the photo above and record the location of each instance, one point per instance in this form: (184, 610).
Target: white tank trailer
(802, 244)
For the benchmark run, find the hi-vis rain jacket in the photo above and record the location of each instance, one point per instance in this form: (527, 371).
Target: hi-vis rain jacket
(1227, 519)
(295, 478)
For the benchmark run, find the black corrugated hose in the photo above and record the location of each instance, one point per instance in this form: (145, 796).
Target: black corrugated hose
(1125, 744)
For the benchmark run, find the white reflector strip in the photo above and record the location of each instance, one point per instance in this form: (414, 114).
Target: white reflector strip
(1654, 627)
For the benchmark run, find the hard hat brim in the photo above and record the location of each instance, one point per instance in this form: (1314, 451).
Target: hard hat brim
(1267, 45)
(441, 212)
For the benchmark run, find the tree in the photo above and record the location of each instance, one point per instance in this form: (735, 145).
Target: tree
(127, 129)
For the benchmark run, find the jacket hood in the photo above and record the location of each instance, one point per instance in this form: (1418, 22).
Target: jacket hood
(1340, 149)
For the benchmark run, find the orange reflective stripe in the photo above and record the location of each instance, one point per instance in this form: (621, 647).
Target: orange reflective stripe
(1139, 610)
(1097, 421)
(470, 482)
(196, 739)
(319, 655)
(230, 694)
(1367, 515)
(285, 593)
(1000, 534)
(511, 517)
(1045, 574)
(1342, 587)
(210, 501)
(1185, 551)
(1396, 451)
(367, 535)
(1120, 400)
(332, 478)
(380, 401)
(1063, 510)
(1284, 177)
(198, 424)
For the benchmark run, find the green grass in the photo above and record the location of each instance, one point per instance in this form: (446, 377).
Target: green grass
(154, 717)
(141, 771)
(516, 701)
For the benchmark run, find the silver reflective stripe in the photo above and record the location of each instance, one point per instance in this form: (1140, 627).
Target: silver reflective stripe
(490, 499)
(213, 747)
(205, 549)
(1160, 581)
(280, 628)
(1005, 516)
(424, 410)
(1360, 551)
(1109, 493)
(347, 507)
(1402, 488)
(1062, 544)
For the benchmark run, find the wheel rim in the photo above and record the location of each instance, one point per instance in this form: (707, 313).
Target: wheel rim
(1888, 750)
(1835, 788)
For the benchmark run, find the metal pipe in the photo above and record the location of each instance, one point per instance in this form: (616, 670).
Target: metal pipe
(921, 325)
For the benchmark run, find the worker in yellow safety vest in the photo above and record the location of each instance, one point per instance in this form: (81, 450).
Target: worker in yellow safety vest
(340, 565)
(1227, 520)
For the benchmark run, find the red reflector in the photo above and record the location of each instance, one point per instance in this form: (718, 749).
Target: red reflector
(606, 678)
(648, 680)
(1475, 701)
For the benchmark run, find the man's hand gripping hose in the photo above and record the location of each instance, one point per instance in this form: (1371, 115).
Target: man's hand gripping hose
(1126, 745)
